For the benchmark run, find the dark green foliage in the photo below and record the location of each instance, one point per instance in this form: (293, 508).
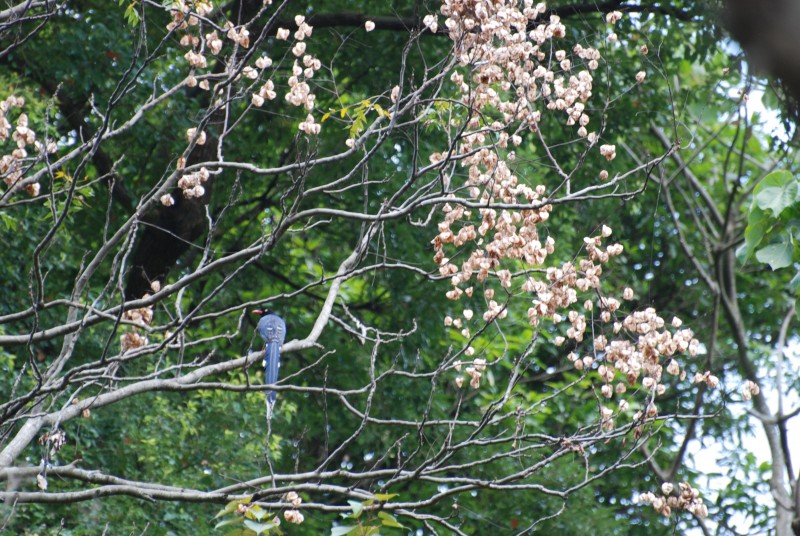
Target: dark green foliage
(212, 437)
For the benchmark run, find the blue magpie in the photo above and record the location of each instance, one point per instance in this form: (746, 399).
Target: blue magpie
(272, 329)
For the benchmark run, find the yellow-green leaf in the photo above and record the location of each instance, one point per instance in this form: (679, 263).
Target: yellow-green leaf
(232, 506)
(388, 520)
(63, 175)
(381, 111)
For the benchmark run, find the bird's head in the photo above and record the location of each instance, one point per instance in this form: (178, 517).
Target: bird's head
(261, 312)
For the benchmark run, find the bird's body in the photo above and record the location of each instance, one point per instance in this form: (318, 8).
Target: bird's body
(272, 329)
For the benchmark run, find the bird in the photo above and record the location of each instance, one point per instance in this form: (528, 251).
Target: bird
(272, 329)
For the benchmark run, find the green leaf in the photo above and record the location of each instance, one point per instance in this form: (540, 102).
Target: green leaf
(9, 223)
(385, 497)
(339, 531)
(758, 224)
(258, 528)
(131, 15)
(388, 520)
(229, 521)
(776, 192)
(358, 123)
(794, 283)
(441, 105)
(257, 512)
(776, 255)
(357, 508)
(232, 506)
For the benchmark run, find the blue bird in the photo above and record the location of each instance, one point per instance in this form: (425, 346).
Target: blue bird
(272, 329)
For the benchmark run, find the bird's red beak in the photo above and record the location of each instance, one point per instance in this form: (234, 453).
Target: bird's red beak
(257, 312)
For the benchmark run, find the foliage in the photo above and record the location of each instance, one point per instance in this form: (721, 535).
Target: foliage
(501, 235)
(772, 222)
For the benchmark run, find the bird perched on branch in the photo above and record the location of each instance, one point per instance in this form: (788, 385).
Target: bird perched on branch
(272, 329)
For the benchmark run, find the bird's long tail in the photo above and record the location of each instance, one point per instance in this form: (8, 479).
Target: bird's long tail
(272, 362)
